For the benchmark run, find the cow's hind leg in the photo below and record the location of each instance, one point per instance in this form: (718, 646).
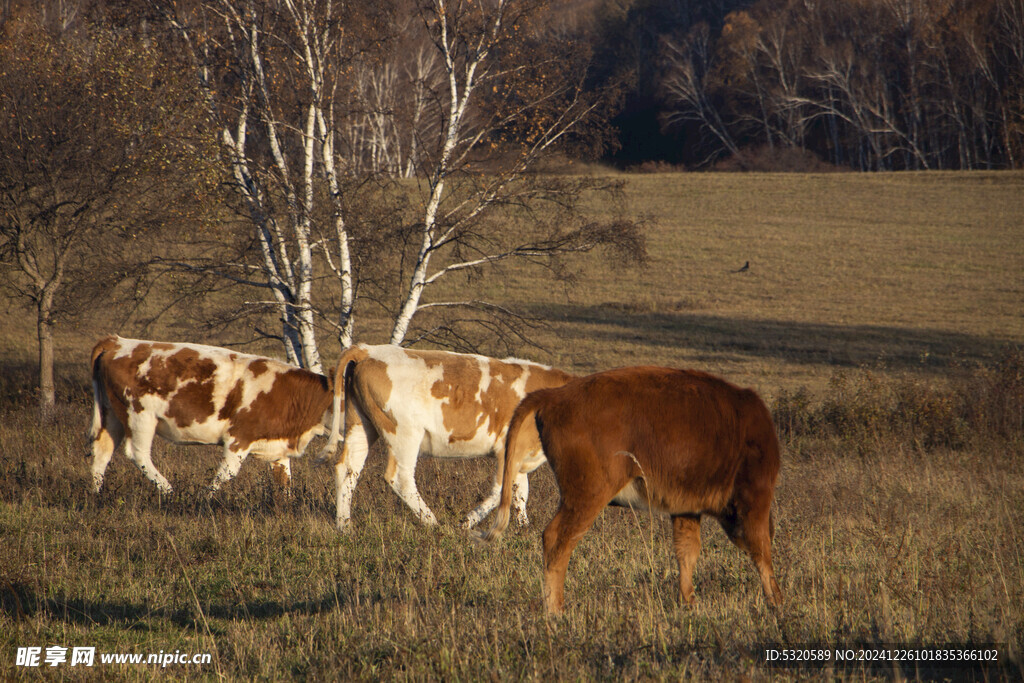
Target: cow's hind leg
(281, 472)
(750, 528)
(143, 429)
(401, 475)
(570, 522)
(230, 465)
(520, 494)
(686, 540)
(359, 437)
(485, 506)
(104, 442)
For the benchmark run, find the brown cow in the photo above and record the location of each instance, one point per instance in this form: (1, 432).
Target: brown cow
(679, 442)
(189, 393)
(449, 405)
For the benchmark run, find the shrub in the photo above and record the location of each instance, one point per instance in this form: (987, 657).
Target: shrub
(776, 159)
(984, 402)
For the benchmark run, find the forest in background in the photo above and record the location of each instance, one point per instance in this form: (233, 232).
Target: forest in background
(860, 84)
(314, 163)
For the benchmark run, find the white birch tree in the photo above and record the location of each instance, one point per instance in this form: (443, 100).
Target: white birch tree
(537, 97)
(311, 105)
(274, 107)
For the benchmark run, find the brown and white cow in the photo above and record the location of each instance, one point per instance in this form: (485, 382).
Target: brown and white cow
(678, 442)
(190, 393)
(448, 405)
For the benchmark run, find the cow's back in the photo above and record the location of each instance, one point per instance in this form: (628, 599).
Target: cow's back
(460, 403)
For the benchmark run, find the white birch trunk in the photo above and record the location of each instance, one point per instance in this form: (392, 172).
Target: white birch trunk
(459, 95)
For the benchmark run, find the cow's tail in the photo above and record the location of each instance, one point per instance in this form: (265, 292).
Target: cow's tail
(349, 357)
(99, 398)
(520, 442)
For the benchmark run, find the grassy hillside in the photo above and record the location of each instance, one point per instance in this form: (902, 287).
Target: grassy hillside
(903, 272)
(906, 271)
(881, 317)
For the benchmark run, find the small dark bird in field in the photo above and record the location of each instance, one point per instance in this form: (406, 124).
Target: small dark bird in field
(745, 268)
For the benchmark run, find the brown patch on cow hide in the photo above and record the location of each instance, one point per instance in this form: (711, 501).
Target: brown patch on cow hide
(123, 371)
(373, 387)
(546, 378)
(139, 355)
(192, 403)
(500, 399)
(458, 387)
(258, 367)
(113, 374)
(167, 372)
(232, 401)
(294, 404)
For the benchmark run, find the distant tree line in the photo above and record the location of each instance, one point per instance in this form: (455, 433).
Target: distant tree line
(316, 161)
(864, 84)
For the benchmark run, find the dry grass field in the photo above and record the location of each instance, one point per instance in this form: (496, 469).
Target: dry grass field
(882, 318)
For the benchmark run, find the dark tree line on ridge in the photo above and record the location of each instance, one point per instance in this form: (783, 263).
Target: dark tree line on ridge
(340, 160)
(862, 84)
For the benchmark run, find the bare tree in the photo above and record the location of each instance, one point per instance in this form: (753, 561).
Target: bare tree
(275, 109)
(875, 83)
(312, 121)
(687, 89)
(95, 152)
(527, 91)
(390, 98)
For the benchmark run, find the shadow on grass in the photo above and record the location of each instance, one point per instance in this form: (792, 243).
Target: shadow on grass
(809, 343)
(18, 601)
(19, 382)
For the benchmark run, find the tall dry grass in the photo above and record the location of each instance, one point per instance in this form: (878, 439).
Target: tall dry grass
(898, 520)
(881, 320)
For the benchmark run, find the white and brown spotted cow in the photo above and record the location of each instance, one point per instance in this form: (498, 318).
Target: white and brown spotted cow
(438, 403)
(190, 393)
